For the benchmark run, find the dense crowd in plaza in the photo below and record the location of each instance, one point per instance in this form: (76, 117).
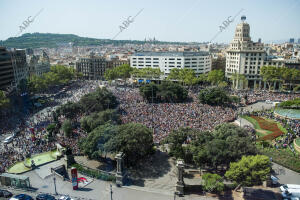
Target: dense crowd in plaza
(31, 137)
(262, 95)
(164, 117)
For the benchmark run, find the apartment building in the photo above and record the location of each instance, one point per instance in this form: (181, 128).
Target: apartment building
(200, 62)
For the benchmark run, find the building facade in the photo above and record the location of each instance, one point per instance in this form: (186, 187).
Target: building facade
(6, 69)
(200, 62)
(19, 64)
(38, 64)
(92, 68)
(245, 57)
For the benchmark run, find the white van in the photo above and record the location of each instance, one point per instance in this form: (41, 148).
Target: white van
(289, 186)
(292, 194)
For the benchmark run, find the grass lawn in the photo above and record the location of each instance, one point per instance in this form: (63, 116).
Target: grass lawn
(283, 157)
(266, 129)
(298, 141)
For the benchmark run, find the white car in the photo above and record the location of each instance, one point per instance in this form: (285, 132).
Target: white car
(65, 197)
(9, 139)
(289, 186)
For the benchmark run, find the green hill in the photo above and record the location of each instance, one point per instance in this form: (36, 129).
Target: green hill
(50, 40)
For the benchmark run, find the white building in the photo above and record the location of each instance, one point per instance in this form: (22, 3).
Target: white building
(246, 57)
(200, 62)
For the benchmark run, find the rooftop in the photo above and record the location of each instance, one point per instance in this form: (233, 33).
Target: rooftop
(170, 53)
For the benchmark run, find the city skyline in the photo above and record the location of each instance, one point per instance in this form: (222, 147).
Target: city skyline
(166, 21)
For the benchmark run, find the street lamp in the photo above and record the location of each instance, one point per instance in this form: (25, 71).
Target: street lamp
(54, 184)
(111, 192)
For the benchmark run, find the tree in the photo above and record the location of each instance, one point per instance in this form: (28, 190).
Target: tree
(98, 101)
(227, 143)
(214, 96)
(213, 183)
(4, 101)
(237, 78)
(134, 140)
(172, 92)
(90, 122)
(122, 71)
(70, 110)
(250, 170)
(149, 91)
(67, 128)
(269, 74)
(96, 145)
(177, 138)
(215, 77)
(186, 76)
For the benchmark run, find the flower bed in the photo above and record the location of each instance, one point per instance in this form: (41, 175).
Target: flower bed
(270, 126)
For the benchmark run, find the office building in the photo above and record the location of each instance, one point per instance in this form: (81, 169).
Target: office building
(292, 40)
(246, 57)
(92, 68)
(200, 62)
(19, 64)
(6, 69)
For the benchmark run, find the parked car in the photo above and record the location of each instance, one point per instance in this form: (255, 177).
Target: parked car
(21, 197)
(289, 186)
(5, 193)
(65, 197)
(45, 197)
(8, 140)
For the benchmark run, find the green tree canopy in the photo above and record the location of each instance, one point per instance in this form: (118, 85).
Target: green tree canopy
(97, 101)
(122, 72)
(70, 110)
(67, 128)
(90, 122)
(149, 91)
(214, 96)
(172, 92)
(185, 75)
(215, 77)
(4, 101)
(213, 183)
(250, 170)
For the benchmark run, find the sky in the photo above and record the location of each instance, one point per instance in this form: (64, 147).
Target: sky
(166, 20)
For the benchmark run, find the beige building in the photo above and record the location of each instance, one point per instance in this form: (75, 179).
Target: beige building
(38, 64)
(246, 57)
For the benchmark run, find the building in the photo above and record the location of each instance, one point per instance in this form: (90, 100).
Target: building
(92, 68)
(38, 64)
(19, 64)
(246, 57)
(115, 63)
(6, 69)
(292, 40)
(200, 62)
(298, 40)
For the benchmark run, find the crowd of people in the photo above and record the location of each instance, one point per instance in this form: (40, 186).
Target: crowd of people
(162, 118)
(30, 132)
(262, 95)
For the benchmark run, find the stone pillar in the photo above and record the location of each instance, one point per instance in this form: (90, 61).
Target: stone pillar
(259, 84)
(275, 85)
(254, 84)
(265, 85)
(119, 176)
(180, 182)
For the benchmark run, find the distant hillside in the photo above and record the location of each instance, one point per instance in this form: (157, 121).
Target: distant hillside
(50, 40)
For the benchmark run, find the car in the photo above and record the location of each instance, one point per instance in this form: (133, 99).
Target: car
(5, 193)
(21, 197)
(8, 140)
(289, 186)
(269, 102)
(44, 197)
(65, 197)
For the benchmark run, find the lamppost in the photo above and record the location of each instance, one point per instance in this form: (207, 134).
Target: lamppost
(111, 192)
(54, 184)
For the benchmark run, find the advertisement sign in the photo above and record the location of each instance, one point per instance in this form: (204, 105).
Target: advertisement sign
(74, 178)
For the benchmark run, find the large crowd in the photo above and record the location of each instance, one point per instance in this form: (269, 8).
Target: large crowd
(262, 95)
(162, 118)
(31, 134)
